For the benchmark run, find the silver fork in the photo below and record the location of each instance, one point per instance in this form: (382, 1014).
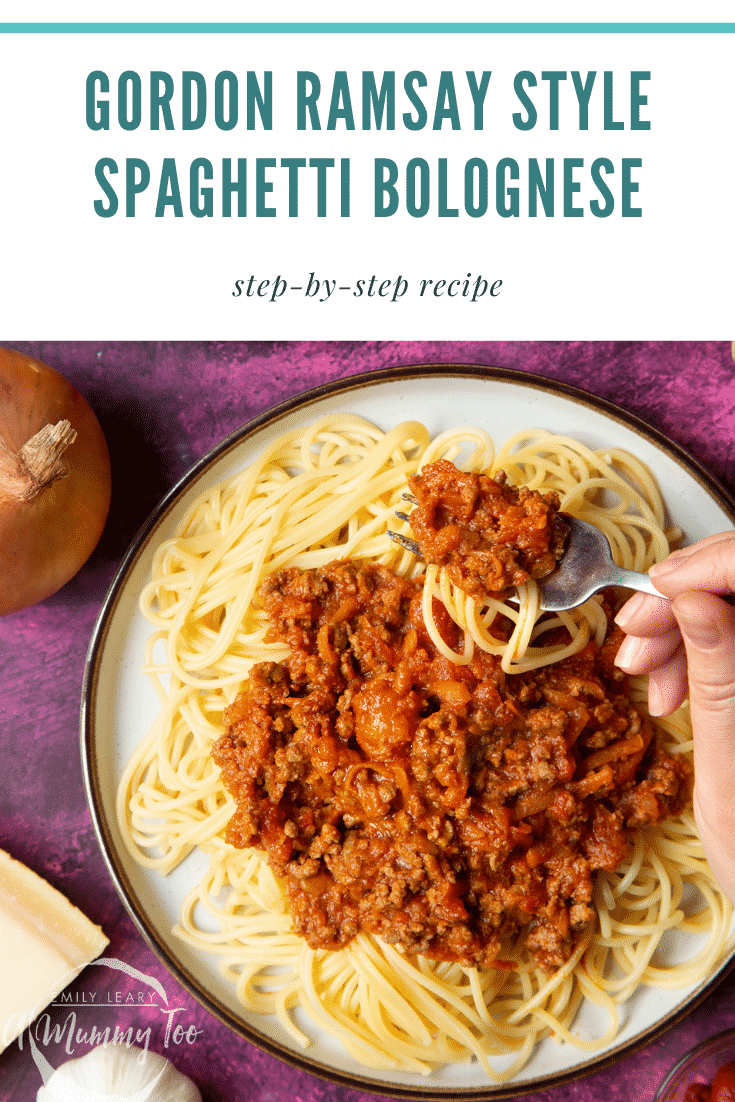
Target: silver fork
(585, 568)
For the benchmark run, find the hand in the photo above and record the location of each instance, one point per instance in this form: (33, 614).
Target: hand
(688, 643)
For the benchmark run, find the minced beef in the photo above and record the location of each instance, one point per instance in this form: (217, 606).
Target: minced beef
(486, 533)
(444, 808)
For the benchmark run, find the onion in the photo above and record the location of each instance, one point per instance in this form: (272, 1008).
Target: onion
(54, 481)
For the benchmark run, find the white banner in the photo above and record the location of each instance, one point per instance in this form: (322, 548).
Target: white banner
(366, 185)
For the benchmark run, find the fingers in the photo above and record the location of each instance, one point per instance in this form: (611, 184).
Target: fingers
(707, 565)
(644, 615)
(704, 663)
(644, 654)
(654, 647)
(664, 659)
(707, 626)
(668, 685)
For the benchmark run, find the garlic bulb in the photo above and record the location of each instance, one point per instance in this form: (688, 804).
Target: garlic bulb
(113, 1073)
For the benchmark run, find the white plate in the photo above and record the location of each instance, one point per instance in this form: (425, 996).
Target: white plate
(119, 705)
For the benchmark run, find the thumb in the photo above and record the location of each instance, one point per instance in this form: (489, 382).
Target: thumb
(708, 565)
(707, 625)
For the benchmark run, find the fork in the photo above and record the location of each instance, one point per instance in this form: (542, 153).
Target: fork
(585, 567)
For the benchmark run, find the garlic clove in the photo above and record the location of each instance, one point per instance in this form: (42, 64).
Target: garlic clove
(116, 1073)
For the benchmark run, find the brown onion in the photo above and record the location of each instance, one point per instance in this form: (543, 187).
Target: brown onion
(54, 481)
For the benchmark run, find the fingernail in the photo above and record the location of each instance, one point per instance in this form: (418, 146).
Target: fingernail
(629, 609)
(655, 699)
(701, 631)
(627, 652)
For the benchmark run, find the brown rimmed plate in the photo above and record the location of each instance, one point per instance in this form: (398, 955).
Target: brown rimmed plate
(119, 705)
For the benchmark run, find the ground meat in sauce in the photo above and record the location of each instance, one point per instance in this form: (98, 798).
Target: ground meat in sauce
(443, 808)
(487, 534)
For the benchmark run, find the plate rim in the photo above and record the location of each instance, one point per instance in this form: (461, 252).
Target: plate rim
(100, 821)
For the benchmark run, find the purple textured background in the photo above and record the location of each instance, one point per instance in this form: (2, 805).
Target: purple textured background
(162, 406)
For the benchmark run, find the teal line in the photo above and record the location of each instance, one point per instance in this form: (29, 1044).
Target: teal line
(367, 28)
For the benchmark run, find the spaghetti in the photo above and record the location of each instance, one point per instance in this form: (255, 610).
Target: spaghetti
(329, 493)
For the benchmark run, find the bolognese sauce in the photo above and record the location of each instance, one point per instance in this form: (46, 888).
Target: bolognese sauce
(488, 534)
(444, 808)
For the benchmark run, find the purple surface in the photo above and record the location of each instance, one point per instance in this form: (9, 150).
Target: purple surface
(162, 406)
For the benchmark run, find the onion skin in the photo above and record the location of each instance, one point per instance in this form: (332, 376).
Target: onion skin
(44, 541)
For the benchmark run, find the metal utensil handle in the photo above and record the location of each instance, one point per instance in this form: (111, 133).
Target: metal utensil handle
(634, 580)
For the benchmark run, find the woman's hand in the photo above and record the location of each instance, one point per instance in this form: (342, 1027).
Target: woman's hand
(688, 644)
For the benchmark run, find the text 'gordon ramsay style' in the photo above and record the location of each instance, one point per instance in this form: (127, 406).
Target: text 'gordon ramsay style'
(438, 819)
